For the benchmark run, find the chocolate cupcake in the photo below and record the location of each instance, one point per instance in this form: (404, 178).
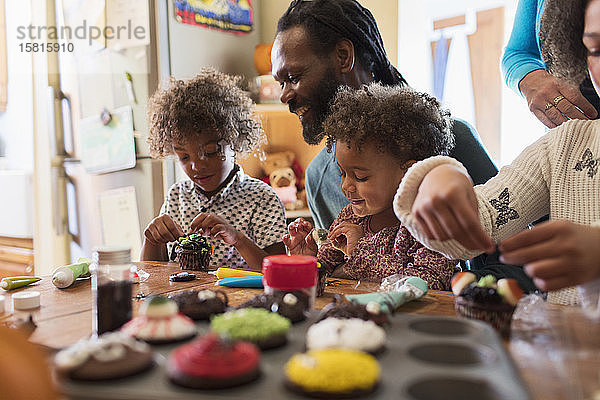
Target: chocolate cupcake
(211, 363)
(193, 252)
(200, 304)
(341, 308)
(110, 356)
(265, 329)
(487, 300)
(292, 305)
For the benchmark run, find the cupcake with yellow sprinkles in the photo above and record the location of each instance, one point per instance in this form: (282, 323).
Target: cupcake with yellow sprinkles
(332, 373)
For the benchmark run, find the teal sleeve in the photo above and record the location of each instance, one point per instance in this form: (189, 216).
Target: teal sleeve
(522, 53)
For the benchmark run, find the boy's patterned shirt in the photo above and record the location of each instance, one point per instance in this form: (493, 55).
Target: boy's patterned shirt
(249, 205)
(390, 251)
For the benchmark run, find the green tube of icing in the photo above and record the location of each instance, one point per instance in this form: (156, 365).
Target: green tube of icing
(63, 277)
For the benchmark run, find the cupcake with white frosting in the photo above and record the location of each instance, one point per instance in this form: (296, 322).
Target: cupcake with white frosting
(347, 333)
(110, 356)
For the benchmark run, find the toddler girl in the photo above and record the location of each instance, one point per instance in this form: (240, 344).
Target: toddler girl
(204, 122)
(378, 132)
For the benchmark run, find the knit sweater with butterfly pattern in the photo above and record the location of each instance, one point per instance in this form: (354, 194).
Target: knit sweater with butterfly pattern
(557, 175)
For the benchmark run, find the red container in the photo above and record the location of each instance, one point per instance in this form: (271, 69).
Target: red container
(295, 274)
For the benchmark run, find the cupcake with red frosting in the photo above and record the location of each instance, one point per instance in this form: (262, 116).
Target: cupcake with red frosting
(213, 363)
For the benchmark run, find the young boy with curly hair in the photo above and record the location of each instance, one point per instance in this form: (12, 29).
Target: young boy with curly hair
(378, 132)
(204, 122)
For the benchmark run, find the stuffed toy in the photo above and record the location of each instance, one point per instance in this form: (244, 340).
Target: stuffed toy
(284, 173)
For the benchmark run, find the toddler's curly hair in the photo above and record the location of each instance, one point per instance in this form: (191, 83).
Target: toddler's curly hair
(211, 101)
(400, 121)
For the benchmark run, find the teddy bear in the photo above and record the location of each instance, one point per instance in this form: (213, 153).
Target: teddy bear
(284, 173)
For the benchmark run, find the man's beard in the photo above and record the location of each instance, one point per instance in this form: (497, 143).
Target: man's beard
(312, 130)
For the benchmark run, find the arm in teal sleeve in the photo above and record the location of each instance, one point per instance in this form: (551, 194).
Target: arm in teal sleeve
(522, 53)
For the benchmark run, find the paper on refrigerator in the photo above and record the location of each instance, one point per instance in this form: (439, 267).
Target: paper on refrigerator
(108, 148)
(120, 219)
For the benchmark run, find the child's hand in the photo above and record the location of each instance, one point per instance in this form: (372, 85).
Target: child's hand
(162, 229)
(298, 239)
(345, 237)
(216, 227)
(446, 208)
(557, 254)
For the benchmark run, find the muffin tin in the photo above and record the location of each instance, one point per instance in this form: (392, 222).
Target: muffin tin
(426, 358)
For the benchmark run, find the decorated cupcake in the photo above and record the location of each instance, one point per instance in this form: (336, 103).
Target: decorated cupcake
(110, 356)
(265, 329)
(332, 373)
(193, 252)
(200, 304)
(160, 322)
(289, 305)
(211, 363)
(347, 333)
(342, 308)
(486, 300)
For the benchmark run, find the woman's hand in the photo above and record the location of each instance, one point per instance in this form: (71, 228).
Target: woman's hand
(556, 254)
(552, 100)
(215, 227)
(446, 208)
(161, 230)
(298, 240)
(345, 237)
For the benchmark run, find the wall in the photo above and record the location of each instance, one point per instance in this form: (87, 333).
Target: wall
(518, 126)
(16, 123)
(385, 13)
(193, 47)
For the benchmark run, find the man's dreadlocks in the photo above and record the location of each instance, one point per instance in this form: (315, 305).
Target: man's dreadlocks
(329, 21)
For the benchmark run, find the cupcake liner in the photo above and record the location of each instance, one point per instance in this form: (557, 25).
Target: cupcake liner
(497, 315)
(192, 259)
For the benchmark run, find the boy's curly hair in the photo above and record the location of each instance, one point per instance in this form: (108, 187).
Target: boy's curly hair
(561, 32)
(399, 120)
(210, 101)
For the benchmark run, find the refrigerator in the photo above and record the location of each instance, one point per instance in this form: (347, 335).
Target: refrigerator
(106, 187)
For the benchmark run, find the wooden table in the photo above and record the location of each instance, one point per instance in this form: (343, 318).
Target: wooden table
(65, 316)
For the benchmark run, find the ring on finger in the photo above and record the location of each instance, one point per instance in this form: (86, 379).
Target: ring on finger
(557, 99)
(548, 106)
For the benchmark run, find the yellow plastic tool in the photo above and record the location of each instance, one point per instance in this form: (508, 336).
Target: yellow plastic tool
(224, 272)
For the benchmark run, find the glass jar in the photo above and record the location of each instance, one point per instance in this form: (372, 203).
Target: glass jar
(295, 274)
(111, 288)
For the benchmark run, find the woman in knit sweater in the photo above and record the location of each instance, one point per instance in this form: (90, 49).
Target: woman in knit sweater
(559, 175)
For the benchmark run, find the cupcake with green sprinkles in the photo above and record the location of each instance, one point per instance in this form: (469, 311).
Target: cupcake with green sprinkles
(193, 252)
(332, 373)
(266, 329)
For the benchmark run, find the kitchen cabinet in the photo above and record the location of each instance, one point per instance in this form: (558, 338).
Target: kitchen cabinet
(16, 256)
